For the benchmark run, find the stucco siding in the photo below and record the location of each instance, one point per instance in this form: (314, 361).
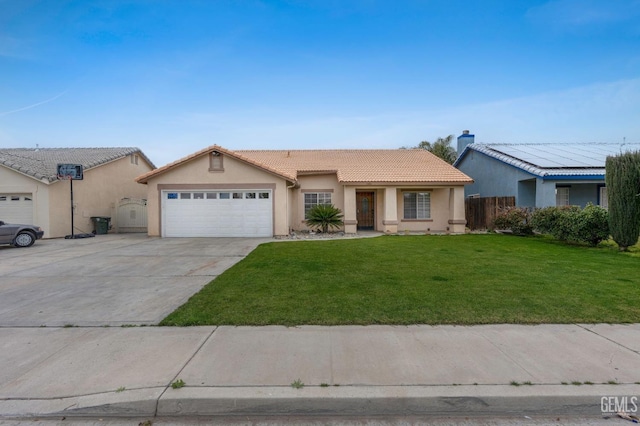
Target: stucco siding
(439, 212)
(315, 183)
(581, 193)
(12, 182)
(96, 195)
(236, 174)
(492, 178)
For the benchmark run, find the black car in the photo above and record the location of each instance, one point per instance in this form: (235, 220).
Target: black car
(19, 235)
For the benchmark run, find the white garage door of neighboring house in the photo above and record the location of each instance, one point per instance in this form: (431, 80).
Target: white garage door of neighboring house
(16, 208)
(233, 213)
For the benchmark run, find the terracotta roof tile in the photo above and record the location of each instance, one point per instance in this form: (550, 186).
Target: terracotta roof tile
(350, 165)
(363, 165)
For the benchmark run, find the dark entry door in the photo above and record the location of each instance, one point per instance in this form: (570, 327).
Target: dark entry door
(365, 210)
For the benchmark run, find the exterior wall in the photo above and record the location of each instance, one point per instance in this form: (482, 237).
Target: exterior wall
(526, 195)
(492, 178)
(545, 193)
(12, 182)
(315, 183)
(236, 173)
(580, 193)
(441, 213)
(96, 195)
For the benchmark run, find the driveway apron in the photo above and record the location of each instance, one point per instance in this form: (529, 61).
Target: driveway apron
(109, 280)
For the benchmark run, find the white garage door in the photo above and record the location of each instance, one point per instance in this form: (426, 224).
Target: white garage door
(237, 213)
(16, 208)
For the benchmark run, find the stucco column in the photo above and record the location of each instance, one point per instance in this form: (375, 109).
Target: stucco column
(390, 220)
(457, 220)
(545, 193)
(350, 218)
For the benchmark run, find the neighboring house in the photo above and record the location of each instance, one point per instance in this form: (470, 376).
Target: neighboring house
(30, 191)
(538, 175)
(218, 192)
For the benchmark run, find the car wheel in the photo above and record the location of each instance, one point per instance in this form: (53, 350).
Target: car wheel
(24, 239)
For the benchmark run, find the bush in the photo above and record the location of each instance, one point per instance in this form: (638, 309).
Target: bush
(589, 225)
(543, 220)
(593, 225)
(516, 219)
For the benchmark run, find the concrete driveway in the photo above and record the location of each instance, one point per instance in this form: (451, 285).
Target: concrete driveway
(114, 279)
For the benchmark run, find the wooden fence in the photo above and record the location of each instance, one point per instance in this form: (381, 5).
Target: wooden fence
(481, 212)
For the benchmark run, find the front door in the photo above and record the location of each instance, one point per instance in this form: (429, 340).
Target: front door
(365, 210)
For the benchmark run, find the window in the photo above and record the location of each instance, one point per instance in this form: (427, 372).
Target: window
(134, 159)
(263, 195)
(185, 195)
(212, 195)
(250, 195)
(604, 200)
(417, 205)
(562, 196)
(312, 199)
(237, 195)
(225, 195)
(198, 195)
(215, 162)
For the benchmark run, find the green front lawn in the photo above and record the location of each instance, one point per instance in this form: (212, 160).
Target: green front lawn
(465, 279)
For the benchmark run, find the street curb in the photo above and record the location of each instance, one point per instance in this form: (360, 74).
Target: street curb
(470, 400)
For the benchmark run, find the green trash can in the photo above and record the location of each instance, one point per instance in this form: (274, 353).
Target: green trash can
(100, 224)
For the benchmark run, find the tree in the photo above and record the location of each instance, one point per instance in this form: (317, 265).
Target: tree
(324, 216)
(441, 148)
(623, 192)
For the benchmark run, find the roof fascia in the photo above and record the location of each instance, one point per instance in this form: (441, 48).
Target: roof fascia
(206, 151)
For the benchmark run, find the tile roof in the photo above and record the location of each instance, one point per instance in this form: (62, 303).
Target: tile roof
(547, 160)
(42, 163)
(363, 165)
(145, 177)
(350, 165)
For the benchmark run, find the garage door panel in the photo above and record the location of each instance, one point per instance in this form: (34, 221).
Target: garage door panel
(16, 208)
(213, 216)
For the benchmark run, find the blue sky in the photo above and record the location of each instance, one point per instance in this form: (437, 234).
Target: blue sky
(173, 77)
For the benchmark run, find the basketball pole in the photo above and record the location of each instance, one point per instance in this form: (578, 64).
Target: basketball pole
(71, 182)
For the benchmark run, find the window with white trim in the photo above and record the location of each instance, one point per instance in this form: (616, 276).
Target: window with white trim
(312, 199)
(604, 200)
(562, 196)
(417, 205)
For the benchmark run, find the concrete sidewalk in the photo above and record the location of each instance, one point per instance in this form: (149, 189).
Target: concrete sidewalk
(352, 370)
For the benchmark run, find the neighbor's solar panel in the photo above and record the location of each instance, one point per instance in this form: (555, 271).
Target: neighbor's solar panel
(563, 155)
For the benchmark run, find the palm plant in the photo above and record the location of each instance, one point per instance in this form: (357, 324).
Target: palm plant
(324, 216)
(441, 148)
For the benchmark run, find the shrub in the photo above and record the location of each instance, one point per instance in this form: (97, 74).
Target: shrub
(565, 228)
(544, 220)
(516, 219)
(592, 226)
(623, 186)
(324, 216)
(589, 225)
